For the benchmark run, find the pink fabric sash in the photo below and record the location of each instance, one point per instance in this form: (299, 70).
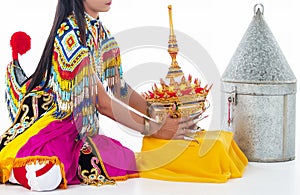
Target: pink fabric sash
(57, 139)
(118, 160)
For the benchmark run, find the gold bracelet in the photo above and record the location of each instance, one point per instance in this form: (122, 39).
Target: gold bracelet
(146, 127)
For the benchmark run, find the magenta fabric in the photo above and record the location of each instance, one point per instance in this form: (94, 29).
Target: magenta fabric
(57, 139)
(118, 160)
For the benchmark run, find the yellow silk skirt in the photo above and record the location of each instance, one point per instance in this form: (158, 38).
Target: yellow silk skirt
(214, 157)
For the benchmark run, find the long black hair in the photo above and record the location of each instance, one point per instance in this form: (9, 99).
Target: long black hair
(63, 10)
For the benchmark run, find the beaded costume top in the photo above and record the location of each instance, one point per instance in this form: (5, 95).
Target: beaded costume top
(75, 71)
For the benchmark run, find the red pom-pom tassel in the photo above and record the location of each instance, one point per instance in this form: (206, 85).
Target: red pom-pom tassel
(20, 43)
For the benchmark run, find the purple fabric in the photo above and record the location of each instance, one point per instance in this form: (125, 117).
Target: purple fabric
(57, 139)
(118, 160)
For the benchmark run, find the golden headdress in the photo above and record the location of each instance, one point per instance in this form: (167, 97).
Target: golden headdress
(186, 94)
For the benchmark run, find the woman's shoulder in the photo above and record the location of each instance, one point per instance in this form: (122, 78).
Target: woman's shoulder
(68, 48)
(68, 28)
(105, 33)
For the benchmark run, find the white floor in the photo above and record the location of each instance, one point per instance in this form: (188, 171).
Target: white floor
(259, 178)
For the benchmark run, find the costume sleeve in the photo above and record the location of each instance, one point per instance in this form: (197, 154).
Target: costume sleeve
(111, 71)
(71, 71)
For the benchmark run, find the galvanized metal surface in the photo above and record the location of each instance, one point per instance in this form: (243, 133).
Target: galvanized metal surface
(258, 58)
(260, 95)
(263, 125)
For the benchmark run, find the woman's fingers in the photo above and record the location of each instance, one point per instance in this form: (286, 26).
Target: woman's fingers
(186, 132)
(191, 117)
(188, 124)
(187, 135)
(177, 128)
(189, 121)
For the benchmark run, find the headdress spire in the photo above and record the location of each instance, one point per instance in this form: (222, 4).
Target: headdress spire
(174, 69)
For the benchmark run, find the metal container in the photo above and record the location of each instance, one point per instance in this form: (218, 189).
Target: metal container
(259, 93)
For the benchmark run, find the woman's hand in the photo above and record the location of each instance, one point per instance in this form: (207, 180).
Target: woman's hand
(174, 128)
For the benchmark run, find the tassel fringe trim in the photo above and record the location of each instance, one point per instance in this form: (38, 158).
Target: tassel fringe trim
(7, 165)
(125, 177)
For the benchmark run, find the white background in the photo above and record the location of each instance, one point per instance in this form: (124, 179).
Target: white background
(217, 25)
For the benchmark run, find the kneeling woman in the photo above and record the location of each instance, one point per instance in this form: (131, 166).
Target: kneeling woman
(54, 139)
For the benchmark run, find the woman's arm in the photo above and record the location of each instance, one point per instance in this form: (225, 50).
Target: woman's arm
(169, 129)
(132, 98)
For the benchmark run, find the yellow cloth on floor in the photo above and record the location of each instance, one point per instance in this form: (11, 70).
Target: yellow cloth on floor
(214, 158)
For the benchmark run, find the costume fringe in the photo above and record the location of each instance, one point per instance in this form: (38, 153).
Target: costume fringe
(125, 177)
(21, 162)
(5, 169)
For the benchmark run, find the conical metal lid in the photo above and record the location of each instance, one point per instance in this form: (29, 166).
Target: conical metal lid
(258, 58)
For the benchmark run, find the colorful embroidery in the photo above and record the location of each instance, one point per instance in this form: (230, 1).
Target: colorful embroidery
(62, 29)
(14, 89)
(31, 109)
(74, 69)
(17, 84)
(69, 54)
(73, 78)
(91, 170)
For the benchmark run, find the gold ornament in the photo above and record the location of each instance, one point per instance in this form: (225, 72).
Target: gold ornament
(178, 98)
